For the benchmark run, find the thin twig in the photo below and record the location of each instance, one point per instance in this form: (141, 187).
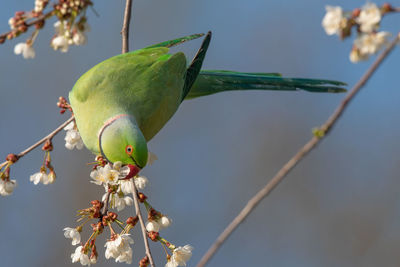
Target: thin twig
(282, 173)
(44, 139)
(125, 26)
(125, 49)
(31, 23)
(139, 214)
(48, 137)
(105, 203)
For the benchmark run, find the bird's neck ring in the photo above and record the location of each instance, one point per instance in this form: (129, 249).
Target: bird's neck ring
(105, 125)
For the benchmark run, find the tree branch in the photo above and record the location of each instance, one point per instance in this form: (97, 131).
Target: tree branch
(139, 214)
(105, 203)
(31, 23)
(125, 26)
(282, 173)
(125, 49)
(44, 139)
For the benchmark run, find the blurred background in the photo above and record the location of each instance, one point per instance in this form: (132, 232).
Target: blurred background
(339, 207)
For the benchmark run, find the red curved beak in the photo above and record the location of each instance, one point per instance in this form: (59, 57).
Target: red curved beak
(133, 171)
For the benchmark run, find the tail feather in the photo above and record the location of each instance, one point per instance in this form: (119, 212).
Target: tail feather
(215, 81)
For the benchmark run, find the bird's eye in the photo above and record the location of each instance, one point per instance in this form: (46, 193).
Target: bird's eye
(129, 149)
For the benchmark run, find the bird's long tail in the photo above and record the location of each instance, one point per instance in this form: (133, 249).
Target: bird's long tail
(215, 81)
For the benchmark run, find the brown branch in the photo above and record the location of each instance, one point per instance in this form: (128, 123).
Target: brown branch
(125, 26)
(44, 139)
(29, 24)
(282, 173)
(125, 49)
(105, 203)
(139, 214)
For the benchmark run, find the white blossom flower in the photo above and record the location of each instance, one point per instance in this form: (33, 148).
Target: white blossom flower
(151, 157)
(39, 177)
(93, 259)
(157, 225)
(152, 226)
(117, 165)
(79, 38)
(171, 263)
(60, 43)
(11, 22)
(141, 182)
(356, 56)
(121, 202)
(105, 175)
(126, 186)
(73, 234)
(371, 43)
(333, 21)
(72, 137)
(67, 35)
(51, 177)
(124, 171)
(118, 201)
(368, 44)
(80, 256)
(164, 222)
(60, 27)
(181, 255)
(25, 49)
(369, 17)
(119, 249)
(7, 187)
(40, 5)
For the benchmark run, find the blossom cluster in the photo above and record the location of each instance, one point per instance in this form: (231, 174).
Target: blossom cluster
(366, 20)
(46, 175)
(70, 28)
(113, 178)
(72, 138)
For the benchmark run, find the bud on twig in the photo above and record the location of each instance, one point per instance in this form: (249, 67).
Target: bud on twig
(48, 145)
(144, 262)
(12, 158)
(142, 197)
(153, 236)
(132, 221)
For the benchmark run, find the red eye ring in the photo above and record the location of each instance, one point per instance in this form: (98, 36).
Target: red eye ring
(129, 150)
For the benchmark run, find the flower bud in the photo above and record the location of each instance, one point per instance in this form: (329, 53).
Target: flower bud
(12, 157)
(386, 7)
(153, 236)
(132, 221)
(142, 197)
(39, 24)
(356, 12)
(52, 176)
(144, 262)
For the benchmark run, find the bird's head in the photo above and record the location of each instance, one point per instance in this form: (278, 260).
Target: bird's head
(120, 139)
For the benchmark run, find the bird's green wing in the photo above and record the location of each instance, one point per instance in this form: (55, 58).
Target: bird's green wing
(215, 81)
(178, 41)
(194, 69)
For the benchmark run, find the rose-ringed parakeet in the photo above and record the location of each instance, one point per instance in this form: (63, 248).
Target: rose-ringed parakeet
(122, 102)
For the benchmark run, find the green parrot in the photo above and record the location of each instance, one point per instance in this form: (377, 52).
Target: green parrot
(122, 102)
